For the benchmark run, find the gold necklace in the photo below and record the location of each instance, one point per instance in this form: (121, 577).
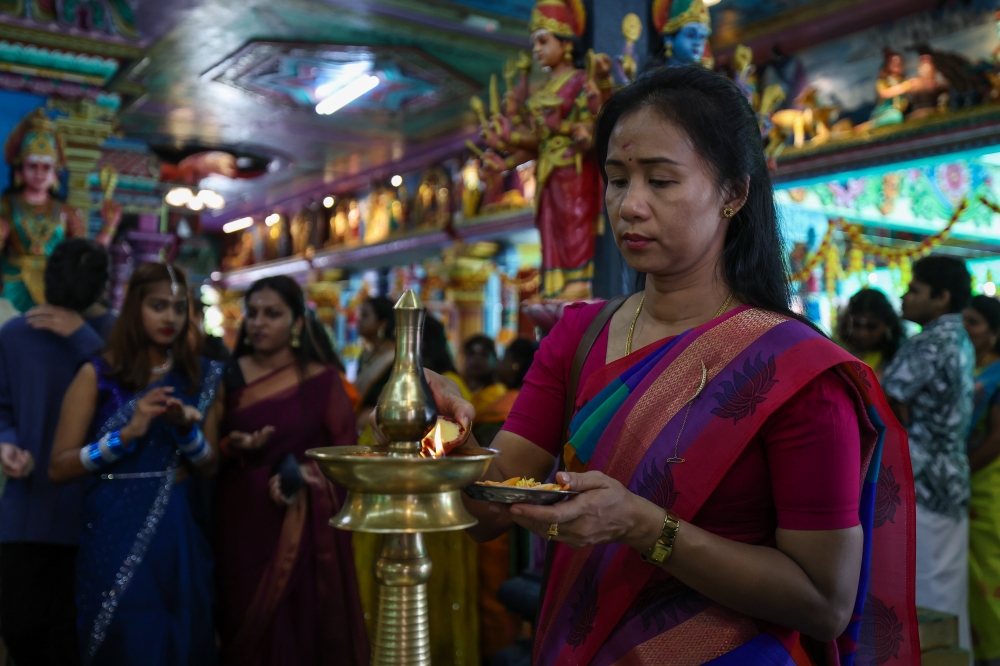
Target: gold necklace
(631, 329)
(635, 318)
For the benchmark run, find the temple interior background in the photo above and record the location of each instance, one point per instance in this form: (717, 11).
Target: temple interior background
(334, 141)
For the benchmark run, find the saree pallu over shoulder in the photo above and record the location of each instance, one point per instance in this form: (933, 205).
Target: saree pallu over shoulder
(669, 428)
(126, 504)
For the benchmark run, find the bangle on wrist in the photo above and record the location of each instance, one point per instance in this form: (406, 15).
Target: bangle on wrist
(194, 446)
(103, 452)
(663, 547)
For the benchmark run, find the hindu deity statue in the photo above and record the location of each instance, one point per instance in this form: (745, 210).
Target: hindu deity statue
(32, 220)
(555, 126)
(685, 27)
(891, 87)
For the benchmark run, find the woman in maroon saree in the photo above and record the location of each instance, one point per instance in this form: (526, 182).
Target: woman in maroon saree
(287, 590)
(745, 494)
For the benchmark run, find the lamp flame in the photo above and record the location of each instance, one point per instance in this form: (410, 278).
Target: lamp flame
(433, 446)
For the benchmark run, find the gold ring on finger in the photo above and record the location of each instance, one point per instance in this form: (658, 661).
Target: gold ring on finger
(553, 531)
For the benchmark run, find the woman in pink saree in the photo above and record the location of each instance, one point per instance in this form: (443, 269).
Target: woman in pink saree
(745, 494)
(288, 595)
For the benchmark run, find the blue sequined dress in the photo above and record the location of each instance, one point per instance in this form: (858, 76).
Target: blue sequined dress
(144, 568)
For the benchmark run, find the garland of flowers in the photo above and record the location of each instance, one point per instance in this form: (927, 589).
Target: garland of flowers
(989, 204)
(811, 262)
(860, 246)
(853, 232)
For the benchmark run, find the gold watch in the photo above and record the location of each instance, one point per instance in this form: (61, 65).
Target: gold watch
(664, 545)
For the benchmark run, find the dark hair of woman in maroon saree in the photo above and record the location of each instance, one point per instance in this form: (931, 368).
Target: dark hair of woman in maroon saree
(315, 345)
(287, 590)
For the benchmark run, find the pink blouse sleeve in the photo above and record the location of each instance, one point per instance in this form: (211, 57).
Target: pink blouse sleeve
(538, 411)
(813, 448)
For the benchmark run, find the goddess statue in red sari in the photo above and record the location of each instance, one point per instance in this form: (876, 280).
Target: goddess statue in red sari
(555, 125)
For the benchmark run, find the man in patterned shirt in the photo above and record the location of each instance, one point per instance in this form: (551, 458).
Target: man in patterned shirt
(929, 385)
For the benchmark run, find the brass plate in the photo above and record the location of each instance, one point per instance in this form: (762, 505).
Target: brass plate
(512, 495)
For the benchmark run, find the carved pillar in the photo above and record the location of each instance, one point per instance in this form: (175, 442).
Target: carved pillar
(468, 293)
(82, 131)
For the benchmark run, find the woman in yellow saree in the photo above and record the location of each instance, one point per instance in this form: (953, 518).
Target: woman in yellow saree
(982, 321)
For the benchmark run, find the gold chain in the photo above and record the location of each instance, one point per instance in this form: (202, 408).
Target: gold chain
(725, 306)
(631, 329)
(635, 318)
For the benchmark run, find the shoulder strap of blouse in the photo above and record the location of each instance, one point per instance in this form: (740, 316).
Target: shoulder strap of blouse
(582, 352)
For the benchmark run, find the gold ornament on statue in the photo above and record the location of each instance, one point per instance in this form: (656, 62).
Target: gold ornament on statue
(632, 27)
(631, 31)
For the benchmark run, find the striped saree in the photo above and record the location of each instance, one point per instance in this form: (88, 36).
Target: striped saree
(669, 426)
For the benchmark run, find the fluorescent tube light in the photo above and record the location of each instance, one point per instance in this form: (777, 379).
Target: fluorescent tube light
(347, 94)
(236, 225)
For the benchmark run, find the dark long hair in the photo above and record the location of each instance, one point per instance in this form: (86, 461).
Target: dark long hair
(522, 354)
(989, 309)
(579, 53)
(311, 347)
(874, 303)
(712, 111)
(437, 355)
(321, 336)
(128, 344)
(382, 307)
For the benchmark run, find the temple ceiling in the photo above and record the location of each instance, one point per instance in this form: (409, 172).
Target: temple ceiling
(247, 75)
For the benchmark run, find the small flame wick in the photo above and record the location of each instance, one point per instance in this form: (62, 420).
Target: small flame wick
(435, 447)
(438, 444)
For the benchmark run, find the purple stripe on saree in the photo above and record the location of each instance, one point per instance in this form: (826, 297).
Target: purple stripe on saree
(603, 606)
(653, 479)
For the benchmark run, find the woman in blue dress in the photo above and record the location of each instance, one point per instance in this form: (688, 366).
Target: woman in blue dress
(141, 420)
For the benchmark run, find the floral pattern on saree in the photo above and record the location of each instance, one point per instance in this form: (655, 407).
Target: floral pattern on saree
(740, 397)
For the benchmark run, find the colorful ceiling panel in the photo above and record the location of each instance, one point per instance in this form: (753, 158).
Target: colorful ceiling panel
(302, 75)
(110, 17)
(749, 11)
(520, 9)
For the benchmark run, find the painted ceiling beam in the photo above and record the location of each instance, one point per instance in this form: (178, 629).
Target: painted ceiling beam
(812, 24)
(449, 19)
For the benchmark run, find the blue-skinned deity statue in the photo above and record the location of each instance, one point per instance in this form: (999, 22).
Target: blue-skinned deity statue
(685, 27)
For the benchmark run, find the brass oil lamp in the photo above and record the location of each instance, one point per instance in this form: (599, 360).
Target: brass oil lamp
(400, 491)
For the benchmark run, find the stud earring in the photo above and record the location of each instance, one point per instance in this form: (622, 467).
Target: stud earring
(296, 338)
(728, 212)
(246, 341)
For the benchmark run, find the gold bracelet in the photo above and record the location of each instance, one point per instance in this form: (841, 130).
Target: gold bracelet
(660, 551)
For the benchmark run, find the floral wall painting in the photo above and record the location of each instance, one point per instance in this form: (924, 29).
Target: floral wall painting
(920, 199)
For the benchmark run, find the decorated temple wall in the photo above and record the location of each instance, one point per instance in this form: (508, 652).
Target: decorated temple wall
(844, 70)
(919, 198)
(13, 107)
